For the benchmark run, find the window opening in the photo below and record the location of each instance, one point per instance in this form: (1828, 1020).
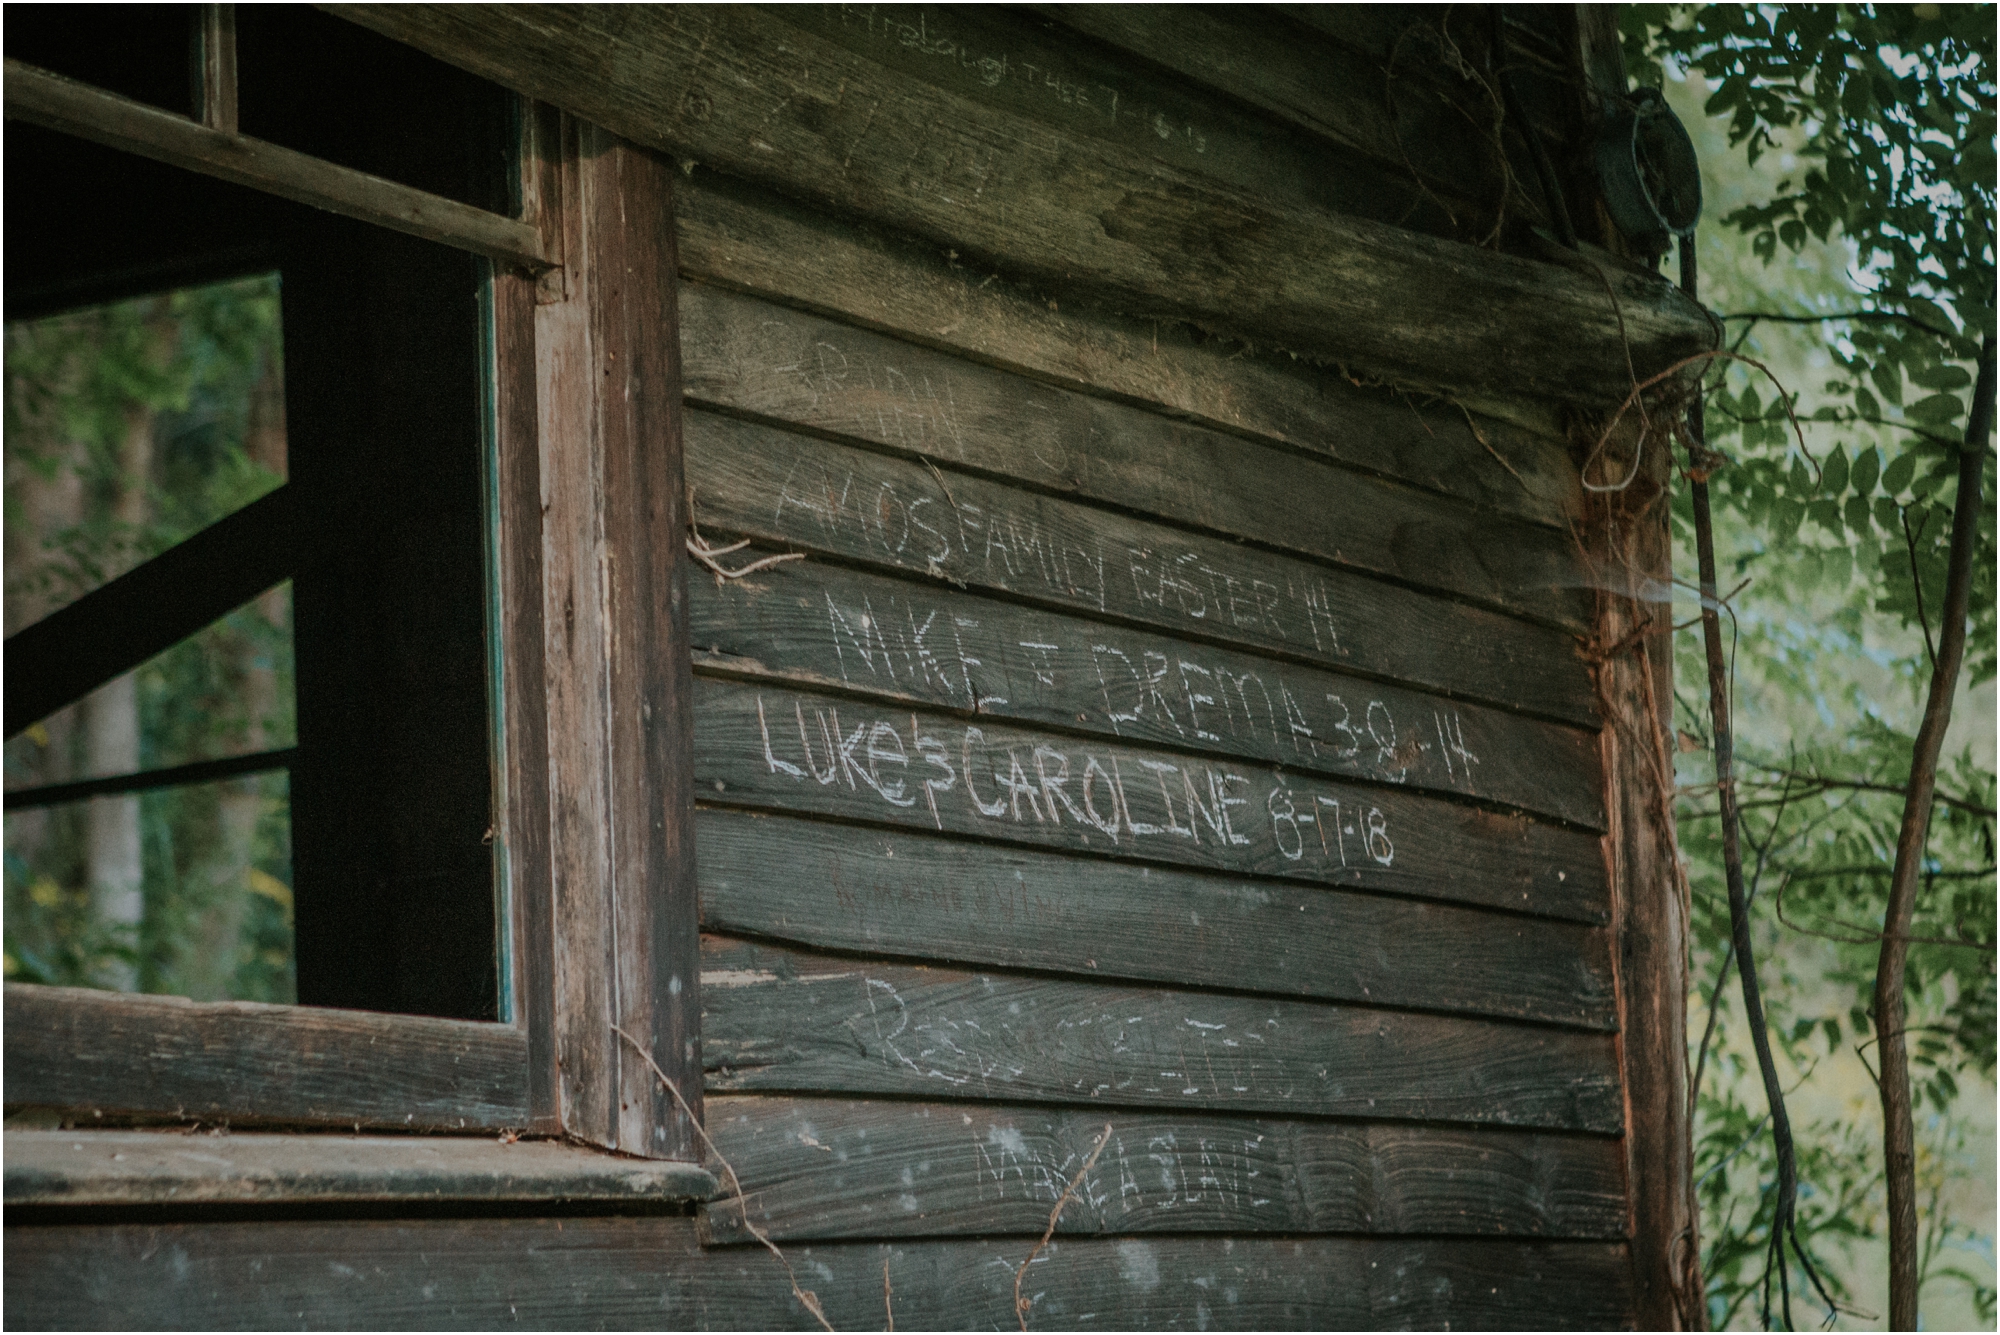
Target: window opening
(129, 428)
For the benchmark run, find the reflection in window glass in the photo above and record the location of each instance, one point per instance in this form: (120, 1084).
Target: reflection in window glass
(129, 428)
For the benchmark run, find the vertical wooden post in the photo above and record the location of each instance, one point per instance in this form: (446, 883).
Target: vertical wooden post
(1628, 543)
(522, 749)
(214, 60)
(620, 765)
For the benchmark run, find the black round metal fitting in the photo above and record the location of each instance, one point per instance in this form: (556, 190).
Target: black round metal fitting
(1651, 178)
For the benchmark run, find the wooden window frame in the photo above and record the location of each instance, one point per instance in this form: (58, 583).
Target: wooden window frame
(589, 667)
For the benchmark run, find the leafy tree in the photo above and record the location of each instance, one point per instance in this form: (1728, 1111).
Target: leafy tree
(186, 368)
(1868, 138)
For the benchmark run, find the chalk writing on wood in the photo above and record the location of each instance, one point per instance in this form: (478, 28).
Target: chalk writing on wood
(811, 622)
(971, 532)
(791, 751)
(787, 1020)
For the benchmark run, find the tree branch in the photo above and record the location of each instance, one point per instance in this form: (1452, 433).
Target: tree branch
(1898, 1122)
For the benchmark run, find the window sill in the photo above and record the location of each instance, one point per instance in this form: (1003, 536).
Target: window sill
(162, 1168)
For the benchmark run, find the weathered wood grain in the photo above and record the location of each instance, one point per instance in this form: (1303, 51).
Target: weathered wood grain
(1035, 67)
(764, 747)
(744, 239)
(521, 743)
(162, 1168)
(917, 896)
(49, 100)
(739, 89)
(787, 1021)
(820, 1169)
(802, 370)
(813, 624)
(856, 505)
(651, 1274)
(1649, 897)
(1413, 126)
(70, 1047)
(615, 630)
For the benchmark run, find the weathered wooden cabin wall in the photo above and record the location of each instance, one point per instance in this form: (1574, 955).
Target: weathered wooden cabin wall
(1163, 730)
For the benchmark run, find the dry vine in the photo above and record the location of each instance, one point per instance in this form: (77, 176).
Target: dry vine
(1021, 1304)
(807, 1298)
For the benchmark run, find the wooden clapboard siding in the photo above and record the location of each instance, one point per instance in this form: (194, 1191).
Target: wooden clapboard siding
(787, 1021)
(820, 1169)
(1049, 72)
(652, 1274)
(864, 386)
(241, 1061)
(858, 505)
(737, 88)
(876, 893)
(812, 624)
(777, 749)
(1504, 452)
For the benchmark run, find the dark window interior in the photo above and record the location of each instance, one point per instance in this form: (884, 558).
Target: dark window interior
(391, 788)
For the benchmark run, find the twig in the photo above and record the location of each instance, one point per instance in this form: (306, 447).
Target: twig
(706, 555)
(1021, 1304)
(947, 490)
(1684, 362)
(888, 1296)
(807, 1298)
(1916, 578)
(1480, 436)
(1910, 320)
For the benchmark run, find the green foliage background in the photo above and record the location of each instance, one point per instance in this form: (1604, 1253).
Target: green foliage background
(75, 384)
(1848, 159)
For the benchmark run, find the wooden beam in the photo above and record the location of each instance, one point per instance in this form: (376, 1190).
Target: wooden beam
(85, 1167)
(56, 103)
(173, 776)
(149, 609)
(215, 67)
(238, 1061)
(620, 718)
(830, 1168)
(653, 1274)
(521, 741)
(743, 91)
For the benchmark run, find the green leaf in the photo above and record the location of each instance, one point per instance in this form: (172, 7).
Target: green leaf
(1937, 409)
(1888, 378)
(1897, 475)
(1867, 466)
(1833, 474)
(1857, 514)
(1942, 376)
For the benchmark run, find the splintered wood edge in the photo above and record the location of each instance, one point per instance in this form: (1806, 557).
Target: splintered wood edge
(161, 1168)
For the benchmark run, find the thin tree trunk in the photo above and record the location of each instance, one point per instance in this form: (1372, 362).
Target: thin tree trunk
(114, 848)
(1898, 1129)
(216, 953)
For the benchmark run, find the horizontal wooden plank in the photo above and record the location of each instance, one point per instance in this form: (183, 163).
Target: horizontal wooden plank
(1507, 453)
(774, 749)
(814, 624)
(822, 498)
(87, 1167)
(803, 370)
(739, 89)
(823, 1169)
(651, 1274)
(789, 1021)
(56, 103)
(1402, 118)
(241, 1061)
(1029, 65)
(921, 897)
